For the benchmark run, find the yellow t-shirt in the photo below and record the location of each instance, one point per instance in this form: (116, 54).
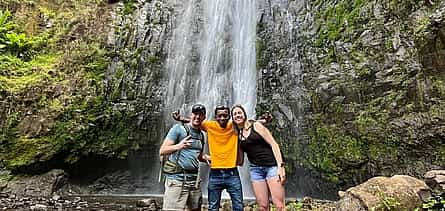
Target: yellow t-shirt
(223, 144)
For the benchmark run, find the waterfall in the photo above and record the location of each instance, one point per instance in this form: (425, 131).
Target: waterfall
(212, 59)
(182, 68)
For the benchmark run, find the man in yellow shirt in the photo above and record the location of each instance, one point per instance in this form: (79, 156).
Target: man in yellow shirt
(224, 158)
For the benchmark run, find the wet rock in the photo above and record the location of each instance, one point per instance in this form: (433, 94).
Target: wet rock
(43, 185)
(403, 192)
(39, 207)
(435, 179)
(116, 182)
(226, 206)
(76, 199)
(55, 197)
(145, 202)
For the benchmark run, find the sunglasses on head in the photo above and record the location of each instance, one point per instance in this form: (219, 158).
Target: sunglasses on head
(221, 107)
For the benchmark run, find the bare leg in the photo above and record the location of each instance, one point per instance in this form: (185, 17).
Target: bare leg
(277, 192)
(262, 194)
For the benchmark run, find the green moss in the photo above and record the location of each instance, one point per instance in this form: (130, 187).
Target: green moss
(129, 6)
(440, 155)
(96, 62)
(47, 12)
(153, 59)
(437, 111)
(84, 123)
(379, 149)
(17, 84)
(403, 8)
(56, 105)
(333, 152)
(23, 75)
(26, 151)
(340, 152)
(366, 130)
(365, 123)
(260, 47)
(422, 25)
(439, 88)
(337, 21)
(5, 176)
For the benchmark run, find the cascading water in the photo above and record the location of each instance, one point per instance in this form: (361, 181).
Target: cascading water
(212, 58)
(182, 67)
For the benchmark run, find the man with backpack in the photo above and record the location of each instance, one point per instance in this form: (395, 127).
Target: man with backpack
(184, 144)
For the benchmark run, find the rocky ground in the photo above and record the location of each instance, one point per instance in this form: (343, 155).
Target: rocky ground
(51, 191)
(13, 202)
(128, 202)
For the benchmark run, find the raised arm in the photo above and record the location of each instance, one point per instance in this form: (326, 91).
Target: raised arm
(265, 118)
(176, 116)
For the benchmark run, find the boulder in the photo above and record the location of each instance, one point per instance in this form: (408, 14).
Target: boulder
(398, 192)
(435, 179)
(148, 203)
(43, 185)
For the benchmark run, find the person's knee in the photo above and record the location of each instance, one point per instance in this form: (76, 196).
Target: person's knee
(280, 207)
(263, 207)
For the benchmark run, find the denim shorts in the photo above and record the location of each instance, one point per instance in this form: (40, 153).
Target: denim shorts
(262, 173)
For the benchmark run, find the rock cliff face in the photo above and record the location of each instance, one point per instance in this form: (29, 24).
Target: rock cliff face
(83, 92)
(54, 55)
(356, 87)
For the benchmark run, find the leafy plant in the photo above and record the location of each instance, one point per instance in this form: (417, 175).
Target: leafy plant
(6, 26)
(18, 44)
(298, 205)
(434, 203)
(386, 203)
(14, 43)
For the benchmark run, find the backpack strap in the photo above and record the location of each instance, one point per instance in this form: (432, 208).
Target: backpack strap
(201, 138)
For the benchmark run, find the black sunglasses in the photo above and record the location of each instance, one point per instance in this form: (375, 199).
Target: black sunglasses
(221, 107)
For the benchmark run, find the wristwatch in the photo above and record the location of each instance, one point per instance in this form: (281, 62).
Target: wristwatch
(282, 164)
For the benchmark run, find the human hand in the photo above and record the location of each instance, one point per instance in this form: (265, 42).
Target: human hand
(267, 116)
(176, 116)
(281, 175)
(185, 143)
(207, 158)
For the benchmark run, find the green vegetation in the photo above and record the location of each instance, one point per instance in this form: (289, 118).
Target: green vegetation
(261, 61)
(334, 153)
(386, 203)
(339, 21)
(434, 203)
(298, 205)
(51, 77)
(403, 8)
(129, 6)
(15, 43)
(360, 131)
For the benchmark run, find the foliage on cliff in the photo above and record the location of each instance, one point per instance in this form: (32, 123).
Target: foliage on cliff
(377, 88)
(356, 87)
(53, 108)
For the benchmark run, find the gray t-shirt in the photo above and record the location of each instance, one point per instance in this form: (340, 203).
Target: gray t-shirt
(188, 158)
